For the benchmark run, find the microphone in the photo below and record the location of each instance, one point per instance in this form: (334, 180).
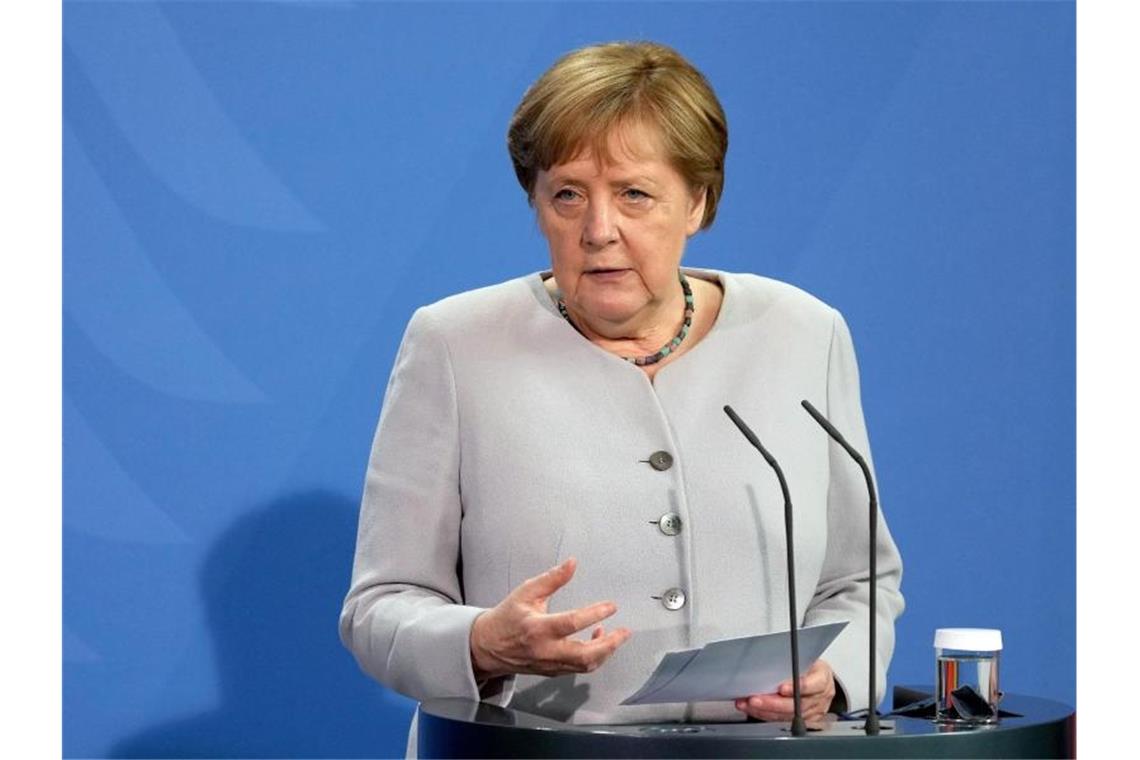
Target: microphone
(798, 728)
(871, 727)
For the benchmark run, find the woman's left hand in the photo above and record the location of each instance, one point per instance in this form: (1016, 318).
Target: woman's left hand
(817, 690)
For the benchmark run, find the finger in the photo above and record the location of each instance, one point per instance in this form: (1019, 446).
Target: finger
(809, 686)
(598, 633)
(771, 708)
(542, 586)
(815, 709)
(588, 656)
(782, 708)
(815, 681)
(780, 717)
(809, 709)
(597, 651)
(563, 624)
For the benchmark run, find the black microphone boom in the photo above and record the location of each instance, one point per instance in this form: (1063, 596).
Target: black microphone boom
(872, 725)
(798, 728)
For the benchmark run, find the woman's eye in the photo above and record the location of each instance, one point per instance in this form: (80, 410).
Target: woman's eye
(635, 195)
(565, 194)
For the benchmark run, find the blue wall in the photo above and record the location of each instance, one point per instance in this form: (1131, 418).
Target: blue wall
(257, 196)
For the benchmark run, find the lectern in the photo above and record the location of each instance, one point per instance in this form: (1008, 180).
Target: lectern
(461, 728)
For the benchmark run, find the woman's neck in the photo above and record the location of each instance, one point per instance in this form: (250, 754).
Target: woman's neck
(646, 333)
(642, 334)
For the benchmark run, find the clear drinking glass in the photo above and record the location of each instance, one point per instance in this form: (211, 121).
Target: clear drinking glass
(967, 686)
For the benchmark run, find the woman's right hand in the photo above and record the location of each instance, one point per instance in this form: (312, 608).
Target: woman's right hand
(519, 636)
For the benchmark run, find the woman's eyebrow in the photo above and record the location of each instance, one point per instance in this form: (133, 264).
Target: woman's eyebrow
(555, 176)
(635, 179)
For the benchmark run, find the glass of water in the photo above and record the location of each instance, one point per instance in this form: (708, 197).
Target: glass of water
(967, 664)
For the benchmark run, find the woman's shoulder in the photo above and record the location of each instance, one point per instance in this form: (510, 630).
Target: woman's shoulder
(754, 298)
(482, 309)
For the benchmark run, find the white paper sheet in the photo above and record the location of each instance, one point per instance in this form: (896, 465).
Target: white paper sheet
(731, 668)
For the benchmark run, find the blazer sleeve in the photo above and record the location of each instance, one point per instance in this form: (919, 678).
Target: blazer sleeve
(404, 618)
(845, 582)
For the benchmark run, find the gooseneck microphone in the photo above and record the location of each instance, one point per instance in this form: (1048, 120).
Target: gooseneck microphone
(798, 728)
(871, 727)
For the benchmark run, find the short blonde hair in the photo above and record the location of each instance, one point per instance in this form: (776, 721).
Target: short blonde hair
(588, 93)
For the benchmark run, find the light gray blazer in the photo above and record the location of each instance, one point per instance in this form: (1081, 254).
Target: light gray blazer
(508, 442)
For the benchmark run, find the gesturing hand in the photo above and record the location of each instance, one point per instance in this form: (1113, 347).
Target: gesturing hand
(519, 636)
(817, 689)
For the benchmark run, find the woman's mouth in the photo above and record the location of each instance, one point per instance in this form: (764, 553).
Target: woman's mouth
(607, 274)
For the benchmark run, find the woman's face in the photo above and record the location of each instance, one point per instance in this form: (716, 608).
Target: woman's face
(617, 230)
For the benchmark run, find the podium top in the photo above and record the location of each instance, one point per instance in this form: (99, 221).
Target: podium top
(462, 728)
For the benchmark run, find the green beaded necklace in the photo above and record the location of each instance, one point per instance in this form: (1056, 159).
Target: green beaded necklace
(669, 347)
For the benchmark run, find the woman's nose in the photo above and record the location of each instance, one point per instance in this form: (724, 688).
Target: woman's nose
(600, 228)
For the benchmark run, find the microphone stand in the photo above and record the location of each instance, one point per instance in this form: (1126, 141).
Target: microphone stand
(871, 727)
(798, 728)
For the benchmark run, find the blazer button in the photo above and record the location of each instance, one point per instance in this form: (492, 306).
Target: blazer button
(670, 524)
(673, 599)
(661, 460)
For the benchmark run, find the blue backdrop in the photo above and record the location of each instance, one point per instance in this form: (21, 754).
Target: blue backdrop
(257, 196)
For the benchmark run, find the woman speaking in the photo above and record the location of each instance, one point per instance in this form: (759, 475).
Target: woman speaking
(554, 498)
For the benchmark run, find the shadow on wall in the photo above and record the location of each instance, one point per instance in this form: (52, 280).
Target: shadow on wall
(273, 586)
